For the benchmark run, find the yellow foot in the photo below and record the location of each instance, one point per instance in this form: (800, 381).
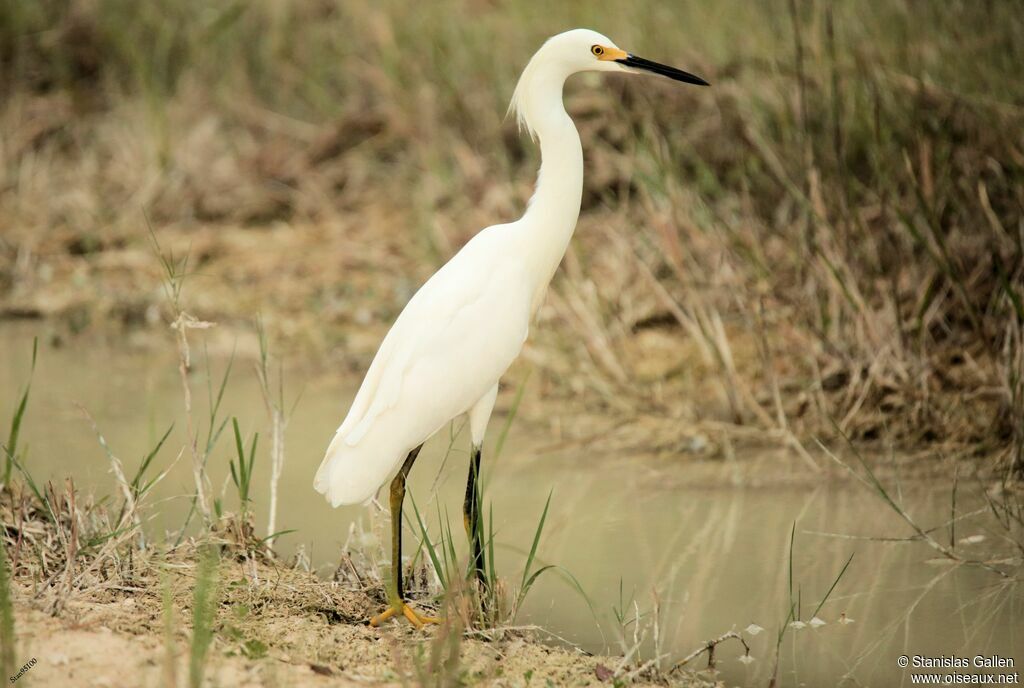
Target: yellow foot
(402, 609)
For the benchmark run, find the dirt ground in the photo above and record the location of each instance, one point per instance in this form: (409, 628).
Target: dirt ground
(281, 626)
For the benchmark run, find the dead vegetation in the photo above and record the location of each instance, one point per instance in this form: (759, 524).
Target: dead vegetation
(266, 619)
(827, 244)
(834, 232)
(211, 601)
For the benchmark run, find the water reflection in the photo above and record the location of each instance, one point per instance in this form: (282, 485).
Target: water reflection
(637, 534)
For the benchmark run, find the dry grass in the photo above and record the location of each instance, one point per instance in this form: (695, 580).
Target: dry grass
(831, 232)
(73, 565)
(250, 616)
(829, 242)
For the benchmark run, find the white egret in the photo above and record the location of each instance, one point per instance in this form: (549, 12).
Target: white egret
(461, 331)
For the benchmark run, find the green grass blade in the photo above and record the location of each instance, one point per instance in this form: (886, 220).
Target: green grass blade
(204, 612)
(792, 536)
(274, 536)
(533, 577)
(239, 449)
(571, 579)
(7, 653)
(492, 568)
(19, 415)
(448, 565)
(100, 539)
(215, 402)
(824, 599)
(512, 412)
(1011, 293)
(40, 497)
(148, 459)
(252, 463)
(536, 540)
(448, 540)
(431, 551)
(242, 476)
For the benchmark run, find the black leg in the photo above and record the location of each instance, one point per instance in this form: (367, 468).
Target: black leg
(396, 594)
(471, 517)
(397, 497)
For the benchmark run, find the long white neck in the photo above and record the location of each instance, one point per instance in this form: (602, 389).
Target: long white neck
(550, 218)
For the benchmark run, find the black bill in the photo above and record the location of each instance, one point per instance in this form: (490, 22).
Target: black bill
(671, 72)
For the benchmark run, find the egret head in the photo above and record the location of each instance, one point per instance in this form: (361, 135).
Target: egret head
(583, 50)
(579, 50)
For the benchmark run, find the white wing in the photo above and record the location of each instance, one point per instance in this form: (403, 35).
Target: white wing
(449, 346)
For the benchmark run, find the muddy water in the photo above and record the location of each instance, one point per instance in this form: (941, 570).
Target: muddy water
(693, 540)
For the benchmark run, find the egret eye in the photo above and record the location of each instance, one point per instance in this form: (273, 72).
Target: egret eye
(597, 50)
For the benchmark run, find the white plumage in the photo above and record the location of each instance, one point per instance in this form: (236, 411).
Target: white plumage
(461, 331)
(445, 352)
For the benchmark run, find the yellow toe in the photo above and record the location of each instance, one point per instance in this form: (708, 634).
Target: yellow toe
(383, 616)
(402, 609)
(415, 619)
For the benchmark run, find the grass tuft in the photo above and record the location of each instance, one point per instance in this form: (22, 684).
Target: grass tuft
(205, 601)
(13, 435)
(7, 637)
(241, 473)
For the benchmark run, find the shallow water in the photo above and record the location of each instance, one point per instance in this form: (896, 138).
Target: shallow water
(713, 555)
